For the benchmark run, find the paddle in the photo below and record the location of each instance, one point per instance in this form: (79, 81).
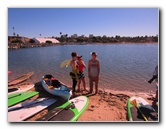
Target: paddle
(134, 102)
(66, 108)
(65, 63)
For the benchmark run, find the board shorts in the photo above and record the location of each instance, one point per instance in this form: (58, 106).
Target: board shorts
(81, 75)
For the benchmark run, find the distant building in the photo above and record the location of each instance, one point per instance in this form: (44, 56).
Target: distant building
(74, 36)
(82, 35)
(90, 35)
(44, 40)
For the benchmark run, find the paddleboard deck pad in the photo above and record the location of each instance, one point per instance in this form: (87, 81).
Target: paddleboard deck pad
(23, 111)
(69, 111)
(135, 115)
(20, 96)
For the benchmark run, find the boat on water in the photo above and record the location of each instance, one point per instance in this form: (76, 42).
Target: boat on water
(55, 87)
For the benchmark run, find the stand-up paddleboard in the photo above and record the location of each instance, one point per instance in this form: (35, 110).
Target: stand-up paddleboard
(20, 79)
(23, 111)
(138, 109)
(69, 111)
(20, 96)
(20, 88)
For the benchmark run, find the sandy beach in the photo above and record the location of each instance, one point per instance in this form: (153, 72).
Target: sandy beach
(106, 106)
(109, 106)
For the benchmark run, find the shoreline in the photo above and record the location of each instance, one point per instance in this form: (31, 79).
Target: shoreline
(106, 106)
(20, 46)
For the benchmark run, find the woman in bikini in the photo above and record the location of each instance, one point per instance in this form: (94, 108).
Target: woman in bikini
(81, 77)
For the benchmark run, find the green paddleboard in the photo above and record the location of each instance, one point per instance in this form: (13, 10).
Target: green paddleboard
(145, 111)
(69, 111)
(18, 97)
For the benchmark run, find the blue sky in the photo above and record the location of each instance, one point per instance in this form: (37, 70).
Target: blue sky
(31, 22)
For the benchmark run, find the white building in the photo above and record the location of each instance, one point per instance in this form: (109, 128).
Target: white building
(44, 40)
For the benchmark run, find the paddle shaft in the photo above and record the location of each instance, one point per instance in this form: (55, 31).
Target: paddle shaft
(142, 114)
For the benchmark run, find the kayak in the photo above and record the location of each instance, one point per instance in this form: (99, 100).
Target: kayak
(69, 111)
(138, 109)
(20, 79)
(56, 88)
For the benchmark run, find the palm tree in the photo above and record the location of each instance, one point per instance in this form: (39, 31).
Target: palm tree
(14, 32)
(61, 33)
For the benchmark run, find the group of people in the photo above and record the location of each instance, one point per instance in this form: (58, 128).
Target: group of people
(77, 73)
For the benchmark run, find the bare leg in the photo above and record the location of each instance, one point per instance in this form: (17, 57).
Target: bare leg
(156, 96)
(83, 80)
(91, 85)
(79, 82)
(96, 86)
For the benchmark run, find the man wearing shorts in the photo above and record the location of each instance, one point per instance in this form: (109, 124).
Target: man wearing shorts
(93, 72)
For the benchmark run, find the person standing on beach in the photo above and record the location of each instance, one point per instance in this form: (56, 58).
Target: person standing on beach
(74, 73)
(81, 66)
(155, 77)
(93, 72)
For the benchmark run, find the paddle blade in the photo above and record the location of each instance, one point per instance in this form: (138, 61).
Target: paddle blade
(134, 102)
(65, 63)
(68, 63)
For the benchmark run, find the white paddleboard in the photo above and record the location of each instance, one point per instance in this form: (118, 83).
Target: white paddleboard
(79, 102)
(69, 111)
(20, 88)
(25, 110)
(142, 102)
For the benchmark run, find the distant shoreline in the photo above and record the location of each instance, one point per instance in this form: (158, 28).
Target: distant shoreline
(30, 45)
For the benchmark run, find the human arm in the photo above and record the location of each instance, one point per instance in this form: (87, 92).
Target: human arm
(89, 69)
(83, 63)
(98, 68)
(74, 65)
